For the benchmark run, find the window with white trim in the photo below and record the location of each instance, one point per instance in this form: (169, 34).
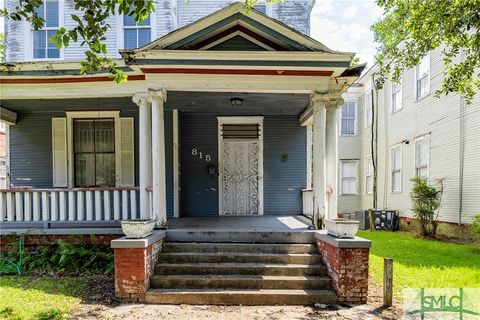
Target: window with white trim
(368, 108)
(3, 127)
(348, 121)
(136, 35)
(422, 150)
(396, 169)
(396, 96)
(422, 77)
(368, 175)
(349, 177)
(49, 10)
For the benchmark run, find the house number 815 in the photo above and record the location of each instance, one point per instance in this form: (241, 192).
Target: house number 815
(200, 155)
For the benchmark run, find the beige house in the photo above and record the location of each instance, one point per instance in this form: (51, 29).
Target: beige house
(418, 134)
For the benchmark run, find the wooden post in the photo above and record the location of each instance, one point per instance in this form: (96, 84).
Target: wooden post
(371, 219)
(387, 282)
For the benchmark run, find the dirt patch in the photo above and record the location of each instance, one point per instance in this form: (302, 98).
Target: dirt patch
(100, 304)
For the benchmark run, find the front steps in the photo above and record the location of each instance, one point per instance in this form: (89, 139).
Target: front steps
(240, 274)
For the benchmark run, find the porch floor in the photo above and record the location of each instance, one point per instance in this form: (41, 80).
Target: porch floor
(259, 229)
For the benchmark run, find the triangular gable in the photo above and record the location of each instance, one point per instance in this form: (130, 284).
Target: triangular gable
(234, 29)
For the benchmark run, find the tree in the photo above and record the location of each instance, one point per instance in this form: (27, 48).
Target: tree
(426, 200)
(2, 48)
(410, 29)
(91, 28)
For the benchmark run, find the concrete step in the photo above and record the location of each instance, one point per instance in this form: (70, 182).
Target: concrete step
(240, 297)
(240, 282)
(195, 257)
(237, 247)
(242, 236)
(241, 268)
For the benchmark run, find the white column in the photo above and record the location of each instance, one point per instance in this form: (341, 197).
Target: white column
(159, 209)
(145, 140)
(319, 172)
(332, 160)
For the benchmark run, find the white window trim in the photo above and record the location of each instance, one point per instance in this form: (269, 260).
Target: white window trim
(92, 115)
(429, 78)
(392, 111)
(268, 7)
(368, 91)
(235, 120)
(398, 146)
(341, 177)
(355, 101)
(367, 157)
(28, 36)
(417, 140)
(120, 27)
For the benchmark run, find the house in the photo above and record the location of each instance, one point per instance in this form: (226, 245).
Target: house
(418, 135)
(225, 132)
(3, 155)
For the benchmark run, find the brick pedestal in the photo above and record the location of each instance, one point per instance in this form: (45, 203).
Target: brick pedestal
(135, 261)
(347, 263)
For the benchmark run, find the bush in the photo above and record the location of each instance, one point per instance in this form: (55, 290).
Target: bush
(66, 257)
(476, 224)
(426, 201)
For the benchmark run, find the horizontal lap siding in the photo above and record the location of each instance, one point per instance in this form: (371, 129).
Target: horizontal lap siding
(283, 181)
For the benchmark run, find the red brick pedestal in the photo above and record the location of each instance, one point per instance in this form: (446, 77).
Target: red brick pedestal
(347, 263)
(135, 261)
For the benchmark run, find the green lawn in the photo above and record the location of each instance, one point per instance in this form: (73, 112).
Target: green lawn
(423, 263)
(45, 298)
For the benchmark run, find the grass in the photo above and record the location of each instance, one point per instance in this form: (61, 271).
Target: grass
(422, 263)
(43, 298)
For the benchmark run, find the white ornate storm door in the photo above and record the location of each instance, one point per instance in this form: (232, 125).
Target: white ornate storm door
(240, 166)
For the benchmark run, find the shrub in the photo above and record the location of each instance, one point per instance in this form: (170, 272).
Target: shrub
(476, 224)
(426, 201)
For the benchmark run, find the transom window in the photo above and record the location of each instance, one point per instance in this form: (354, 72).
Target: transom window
(368, 175)
(422, 147)
(136, 35)
(349, 118)
(349, 176)
(94, 152)
(423, 77)
(368, 108)
(49, 10)
(396, 96)
(396, 167)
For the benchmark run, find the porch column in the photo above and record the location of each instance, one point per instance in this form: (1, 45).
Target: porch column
(318, 102)
(159, 210)
(332, 155)
(145, 167)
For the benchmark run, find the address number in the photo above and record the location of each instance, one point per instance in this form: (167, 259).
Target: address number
(201, 155)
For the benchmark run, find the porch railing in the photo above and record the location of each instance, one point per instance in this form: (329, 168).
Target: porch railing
(307, 197)
(91, 204)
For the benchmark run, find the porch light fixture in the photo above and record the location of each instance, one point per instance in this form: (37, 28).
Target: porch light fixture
(236, 101)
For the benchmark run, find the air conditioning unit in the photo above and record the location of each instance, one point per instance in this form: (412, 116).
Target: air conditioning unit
(384, 219)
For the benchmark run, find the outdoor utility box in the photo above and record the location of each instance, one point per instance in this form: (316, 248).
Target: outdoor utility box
(384, 219)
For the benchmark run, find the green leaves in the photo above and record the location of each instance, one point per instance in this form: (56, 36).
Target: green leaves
(411, 28)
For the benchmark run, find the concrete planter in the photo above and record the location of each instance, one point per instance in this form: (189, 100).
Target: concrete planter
(137, 229)
(342, 228)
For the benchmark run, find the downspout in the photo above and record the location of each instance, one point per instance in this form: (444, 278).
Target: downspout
(462, 157)
(374, 142)
(386, 112)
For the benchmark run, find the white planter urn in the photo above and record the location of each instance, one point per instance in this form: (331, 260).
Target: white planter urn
(137, 228)
(342, 228)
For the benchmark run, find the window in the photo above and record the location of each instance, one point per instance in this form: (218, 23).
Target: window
(261, 7)
(368, 175)
(423, 77)
(396, 169)
(94, 152)
(136, 36)
(3, 127)
(349, 176)
(349, 118)
(3, 169)
(396, 96)
(42, 48)
(368, 108)
(422, 146)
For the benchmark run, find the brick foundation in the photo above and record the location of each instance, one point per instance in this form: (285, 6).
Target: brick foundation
(134, 266)
(35, 241)
(347, 266)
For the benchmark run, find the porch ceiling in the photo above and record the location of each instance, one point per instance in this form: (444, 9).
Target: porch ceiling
(204, 102)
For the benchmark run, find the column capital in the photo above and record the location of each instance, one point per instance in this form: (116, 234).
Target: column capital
(158, 94)
(329, 100)
(141, 99)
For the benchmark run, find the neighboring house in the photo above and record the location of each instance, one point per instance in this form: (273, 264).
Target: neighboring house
(25, 44)
(418, 135)
(3, 155)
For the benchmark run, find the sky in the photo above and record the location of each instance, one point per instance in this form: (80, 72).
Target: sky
(344, 25)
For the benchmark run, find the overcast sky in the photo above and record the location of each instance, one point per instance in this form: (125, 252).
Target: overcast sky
(344, 25)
